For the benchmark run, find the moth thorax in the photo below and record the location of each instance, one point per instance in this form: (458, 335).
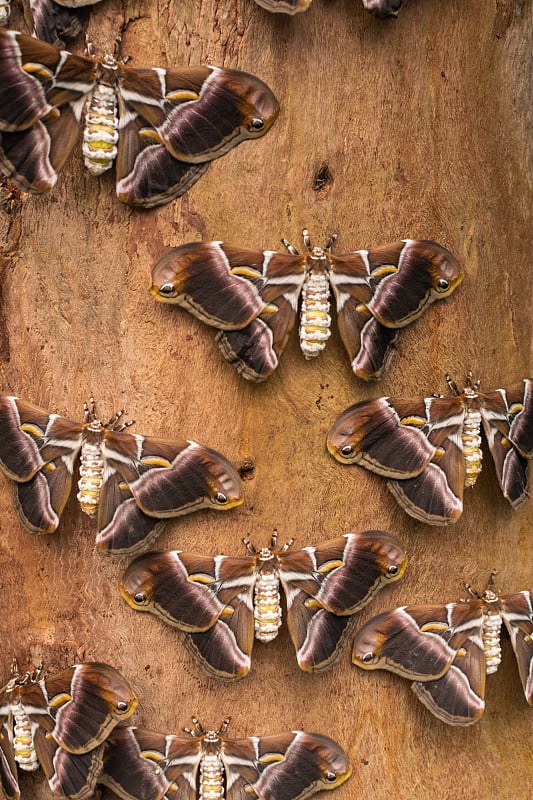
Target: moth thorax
(5, 11)
(91, 477)
(315, 321)
(267, 607)
(472, 446)
(491, 641)
(23, 745)
(211, 778)
(100, 135)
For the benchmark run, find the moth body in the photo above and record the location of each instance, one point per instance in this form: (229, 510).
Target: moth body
(267, 607)
(315, 319)
(91, 470)
(211, 778)
(23, 744)
(100, 134)
(492, 625)
(472, 445)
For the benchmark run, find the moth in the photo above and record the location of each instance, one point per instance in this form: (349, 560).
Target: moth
(252, 297)
(145, 765)
(220, 603)
(162, 126)
(448, 650)
(430, 449)
(130, 483)
(60, 723)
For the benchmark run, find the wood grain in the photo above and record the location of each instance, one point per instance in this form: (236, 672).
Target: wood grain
(422, 127)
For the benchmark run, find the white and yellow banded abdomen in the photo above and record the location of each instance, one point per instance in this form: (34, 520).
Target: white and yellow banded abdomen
(23, 744)
(492, 625)
(211, 778)
(472, 446)
(267, 607)
(100, 135)
(91, 478)
(315, 320)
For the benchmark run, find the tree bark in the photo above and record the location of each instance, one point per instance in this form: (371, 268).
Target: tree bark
(418, 127)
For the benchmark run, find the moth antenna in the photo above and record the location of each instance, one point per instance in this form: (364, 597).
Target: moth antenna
(307, 239)
(292, 250)
(250, 547)
(224, 727)
(330, 244)
(274, 539)
(472, 592)
(89, 47)
(287, 544)
(197, 729)
(452, 385)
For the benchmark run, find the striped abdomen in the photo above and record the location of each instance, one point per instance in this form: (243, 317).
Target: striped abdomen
(211, 778)
(267, 607)
(491, 641)
(91, 477)
(23, 744)
(315, 321)
(100, 135)
(472, 446)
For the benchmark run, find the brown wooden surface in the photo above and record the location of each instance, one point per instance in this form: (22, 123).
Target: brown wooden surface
(424, 125)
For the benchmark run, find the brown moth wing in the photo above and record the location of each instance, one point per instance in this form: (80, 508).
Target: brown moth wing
(209, 599)
(285, 766)
(326, 586)
(38, 451)
(131, 764)
(457, 698)
(231, 106)
(507, 416)
(384, 8)
(150, 480)
(408, 276)
(8, 767)
(385, 436)
(217, 283)
(284, 6)
(86, 702)
(69, 775)
(517, 613)
(147, 175)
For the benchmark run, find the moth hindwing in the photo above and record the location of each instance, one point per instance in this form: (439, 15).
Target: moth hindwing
(221, 603)
(209, 764)
(430, 449)
(60, 723)
(448, 650)
(130, 483)
(163, 126)
(252, 297)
